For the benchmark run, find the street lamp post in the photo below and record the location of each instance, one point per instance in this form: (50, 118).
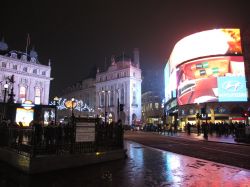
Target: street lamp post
(105, 108)
(6, 86)
(72, 106)
(118, 105)
(56, 99)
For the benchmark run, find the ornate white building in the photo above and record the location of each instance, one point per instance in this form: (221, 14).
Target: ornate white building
(31, 79)
(120, 87)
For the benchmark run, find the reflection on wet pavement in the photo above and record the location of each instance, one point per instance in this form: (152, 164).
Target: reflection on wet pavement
(144, 167)
(163, 168)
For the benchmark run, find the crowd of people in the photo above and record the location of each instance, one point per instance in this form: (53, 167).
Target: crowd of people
(220, 129)
(36, 133)
(53, 134)
(236, 129)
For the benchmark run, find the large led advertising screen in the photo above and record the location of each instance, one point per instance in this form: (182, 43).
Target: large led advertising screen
(211, 79)
(207, 66)
(206, 43)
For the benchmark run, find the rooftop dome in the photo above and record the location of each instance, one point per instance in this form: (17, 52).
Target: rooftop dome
(3, 45)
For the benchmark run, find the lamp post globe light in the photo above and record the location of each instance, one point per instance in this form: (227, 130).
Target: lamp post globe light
(56, 99)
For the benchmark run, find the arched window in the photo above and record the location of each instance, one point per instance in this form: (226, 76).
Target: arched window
(37, 96)
(22, 93)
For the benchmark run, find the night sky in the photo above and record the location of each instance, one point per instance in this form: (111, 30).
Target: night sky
(78, 35)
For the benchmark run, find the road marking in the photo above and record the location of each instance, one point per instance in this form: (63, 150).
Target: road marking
(226, 151)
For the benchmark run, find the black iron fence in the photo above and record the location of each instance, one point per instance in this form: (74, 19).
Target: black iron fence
(59, 139)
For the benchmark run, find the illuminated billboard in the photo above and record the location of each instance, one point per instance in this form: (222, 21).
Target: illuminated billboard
(25, 116)
(207, 67)
(211, 79)
(206, 43)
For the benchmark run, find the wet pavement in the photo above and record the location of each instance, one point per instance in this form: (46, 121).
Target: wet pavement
(211, 137)
(144, 166)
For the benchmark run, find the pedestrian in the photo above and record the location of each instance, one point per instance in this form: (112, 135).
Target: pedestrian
(188, 128)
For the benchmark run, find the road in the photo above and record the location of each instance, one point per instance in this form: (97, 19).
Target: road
(230, 154)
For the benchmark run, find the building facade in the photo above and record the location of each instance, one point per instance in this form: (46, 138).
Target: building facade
(118, 90)
(152, 111)
(31, 78)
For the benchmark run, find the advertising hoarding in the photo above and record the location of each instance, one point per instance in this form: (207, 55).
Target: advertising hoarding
(25, 116)
(212, 79)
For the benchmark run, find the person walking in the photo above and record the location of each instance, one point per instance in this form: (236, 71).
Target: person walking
(188, 128)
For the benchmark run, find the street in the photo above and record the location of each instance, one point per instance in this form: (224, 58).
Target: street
(230, 154)
(144, 167)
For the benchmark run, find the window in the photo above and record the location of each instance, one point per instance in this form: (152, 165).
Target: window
(122, 96)
(111, 98)
(15, 67)
(102, 99)
(22, 93)
(134, 74)
(35, 71)
(25, 69)
(4, 64)
(157, 105)
(44, 73)
(37, 96)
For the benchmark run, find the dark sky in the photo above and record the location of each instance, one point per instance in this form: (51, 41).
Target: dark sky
(77, 35)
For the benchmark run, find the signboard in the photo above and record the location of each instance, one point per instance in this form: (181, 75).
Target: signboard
(232, 88)
(85, 132)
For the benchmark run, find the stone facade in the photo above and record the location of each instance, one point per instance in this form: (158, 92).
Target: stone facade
(152, 111)
(32, 79)
(120, 85)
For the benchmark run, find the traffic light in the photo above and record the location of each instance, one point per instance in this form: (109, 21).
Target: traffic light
(121, 107)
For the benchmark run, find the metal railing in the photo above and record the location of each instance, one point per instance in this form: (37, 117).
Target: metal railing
(38, 140)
